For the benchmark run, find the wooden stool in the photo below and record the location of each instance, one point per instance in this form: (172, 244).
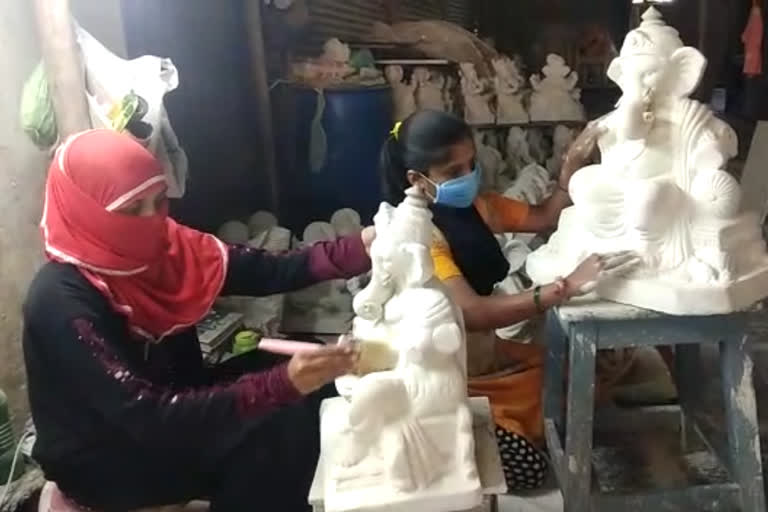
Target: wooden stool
(583, 328)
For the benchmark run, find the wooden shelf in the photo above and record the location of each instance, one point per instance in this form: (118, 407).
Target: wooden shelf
(531, 124)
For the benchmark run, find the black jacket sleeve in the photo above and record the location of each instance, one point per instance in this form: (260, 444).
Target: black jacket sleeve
(258, 273)
(78, 352)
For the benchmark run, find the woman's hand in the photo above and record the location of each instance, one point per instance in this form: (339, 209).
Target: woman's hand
(311, 370)
(588, 274)
(368, 235)
(580, 152)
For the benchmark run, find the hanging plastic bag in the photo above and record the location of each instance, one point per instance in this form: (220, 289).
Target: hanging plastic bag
(127, 95)
(318, 140)
(37, 115)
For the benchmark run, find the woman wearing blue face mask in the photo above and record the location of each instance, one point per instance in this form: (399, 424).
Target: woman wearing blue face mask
(435, 151)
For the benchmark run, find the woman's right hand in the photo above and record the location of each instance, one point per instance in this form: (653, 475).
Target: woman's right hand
(588, 274)
(311, 370)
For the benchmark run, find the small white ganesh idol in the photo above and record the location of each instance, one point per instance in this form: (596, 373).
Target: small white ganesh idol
(403, 92)
(555, 96)
(403, 439)
(509, 84)
(477, 96)
(662, 190)
(429, 89)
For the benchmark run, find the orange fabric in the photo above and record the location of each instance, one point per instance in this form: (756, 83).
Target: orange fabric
(515, 397)
(753, 43)
(500, 213)
(442, 259)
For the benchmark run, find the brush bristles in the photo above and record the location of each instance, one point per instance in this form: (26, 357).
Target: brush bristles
(375, 356)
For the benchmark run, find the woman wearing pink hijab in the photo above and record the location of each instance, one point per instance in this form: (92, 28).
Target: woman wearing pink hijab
(127, 415)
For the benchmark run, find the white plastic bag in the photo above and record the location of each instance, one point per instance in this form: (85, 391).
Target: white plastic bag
(109, 79)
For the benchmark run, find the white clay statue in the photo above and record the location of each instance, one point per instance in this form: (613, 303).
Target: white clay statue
(449, 91)
(555, 96)
(661, 190)
(429, 89)
(491, 162)
(234, 232)
(561, 141)
(518, 152)
(403, 440)
(509, 83)
(260, 222)
(403, 93)
(477, 97)
(319, 232)
(346, 222)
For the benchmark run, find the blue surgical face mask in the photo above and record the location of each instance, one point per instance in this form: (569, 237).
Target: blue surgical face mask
(459, 192)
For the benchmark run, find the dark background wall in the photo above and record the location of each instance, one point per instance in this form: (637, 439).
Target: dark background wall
(211, 110)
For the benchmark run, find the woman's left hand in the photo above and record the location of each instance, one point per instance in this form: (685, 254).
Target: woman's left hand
(368, 235)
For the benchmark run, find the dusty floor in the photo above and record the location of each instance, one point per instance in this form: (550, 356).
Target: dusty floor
(658, 468)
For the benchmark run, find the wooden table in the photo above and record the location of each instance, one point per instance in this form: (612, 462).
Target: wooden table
(584, 327)
(486, 454)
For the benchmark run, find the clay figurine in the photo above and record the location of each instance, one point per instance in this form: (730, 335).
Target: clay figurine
(555, 96)
(662, 190)
(429, 89)
(509, 84)
(477, 97)
(561, 141)
(403, 439)
(403, 93)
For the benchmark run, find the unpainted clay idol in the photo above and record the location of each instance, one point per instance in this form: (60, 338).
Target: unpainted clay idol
(319, 232)
(509, 84)
(662, 190)
(555, 96)
(260, 222)
(477, 96)
(403, 440)
(346, 222)
(234, 232)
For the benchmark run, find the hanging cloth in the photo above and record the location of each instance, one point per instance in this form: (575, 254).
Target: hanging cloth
(753, 42)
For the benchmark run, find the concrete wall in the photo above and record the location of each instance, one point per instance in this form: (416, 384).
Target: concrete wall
(22, 168)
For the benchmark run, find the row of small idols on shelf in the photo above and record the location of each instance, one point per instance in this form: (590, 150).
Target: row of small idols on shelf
(503, 156)
(504, 98)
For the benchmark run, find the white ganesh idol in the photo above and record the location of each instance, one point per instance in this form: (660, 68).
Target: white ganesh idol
(555, 97)
(661, 191)
(403, 440)
(477, 96)
(509, 83)
(429, 91)
(403, 92)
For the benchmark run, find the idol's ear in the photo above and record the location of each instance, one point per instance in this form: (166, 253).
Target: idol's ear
(688, 65)
(420, 268)
(615, 71)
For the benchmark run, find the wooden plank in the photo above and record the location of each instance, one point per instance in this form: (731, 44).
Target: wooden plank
(579, 418)
(554, 377)
(260, 90)
(741, 417)
(556, 453)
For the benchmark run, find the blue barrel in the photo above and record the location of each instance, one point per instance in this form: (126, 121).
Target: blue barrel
(356, 122)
